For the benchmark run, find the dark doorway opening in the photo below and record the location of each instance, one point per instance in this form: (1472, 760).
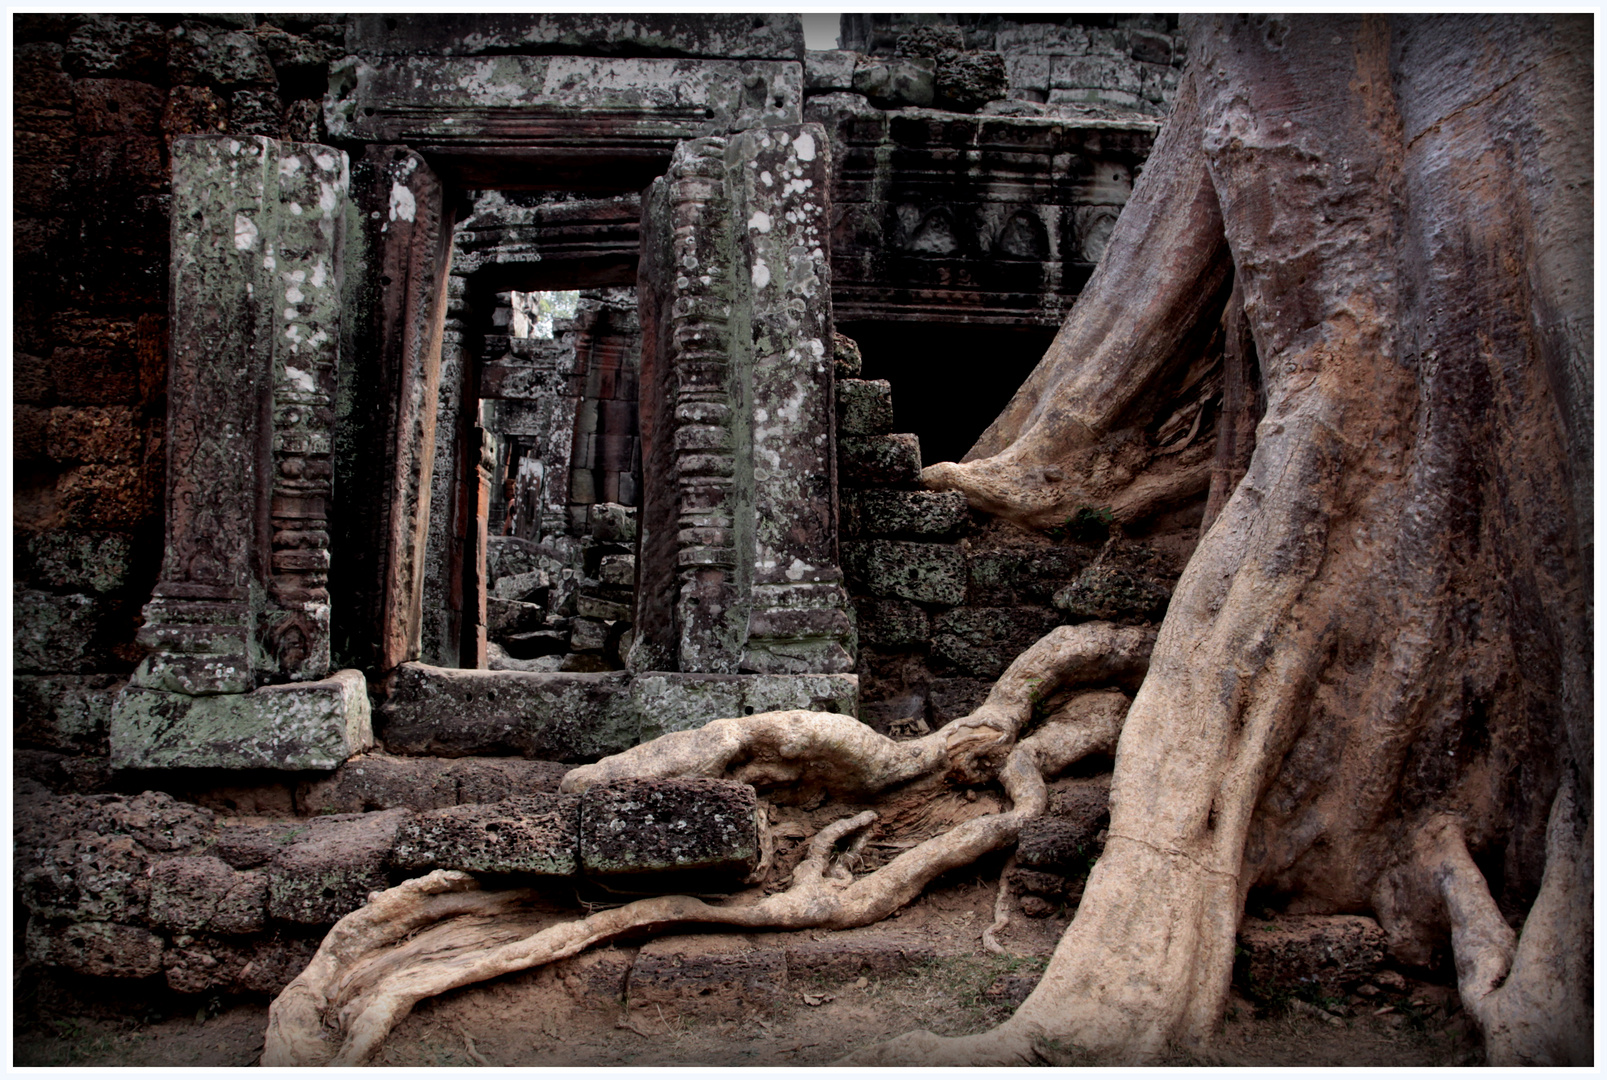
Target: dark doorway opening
(950, 381)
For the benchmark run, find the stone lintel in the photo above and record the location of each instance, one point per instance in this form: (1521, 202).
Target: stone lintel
(768, 36)
(309, 725)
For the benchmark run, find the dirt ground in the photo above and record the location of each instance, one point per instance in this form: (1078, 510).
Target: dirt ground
(534, 1018)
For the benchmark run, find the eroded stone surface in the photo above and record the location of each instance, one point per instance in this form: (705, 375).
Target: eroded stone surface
(529, 834)
(1295, 953)
(331, 868)
(205, 894)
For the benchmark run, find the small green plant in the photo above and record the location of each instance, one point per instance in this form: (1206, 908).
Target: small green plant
(1086, 525)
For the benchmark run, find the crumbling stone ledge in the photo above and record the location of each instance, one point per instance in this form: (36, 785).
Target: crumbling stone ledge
(132, 886)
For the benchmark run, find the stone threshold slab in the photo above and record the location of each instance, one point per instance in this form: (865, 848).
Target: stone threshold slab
(574, 717)
(294, 726)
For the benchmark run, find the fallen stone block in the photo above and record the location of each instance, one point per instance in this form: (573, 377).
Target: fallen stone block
(847, 956)
(1067, 836)
(528, 834)
(597, 976)
(1292, 953)
(706, 977)
(634, 828)
(523, 586)
(331, 868)
(193, 894)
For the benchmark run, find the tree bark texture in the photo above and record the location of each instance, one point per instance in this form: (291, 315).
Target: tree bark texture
(1389, 619)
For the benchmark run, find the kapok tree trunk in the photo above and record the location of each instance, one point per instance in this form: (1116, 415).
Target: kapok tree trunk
(1384, 637)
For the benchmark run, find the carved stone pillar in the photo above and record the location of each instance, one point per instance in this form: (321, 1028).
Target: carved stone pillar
(738, 564)
(798, 618)
(243, 602)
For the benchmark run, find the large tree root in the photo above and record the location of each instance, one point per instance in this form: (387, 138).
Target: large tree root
(439, 932)
(1529, 994)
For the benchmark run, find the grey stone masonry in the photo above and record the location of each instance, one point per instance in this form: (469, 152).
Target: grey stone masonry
(871, 460)
(528, 834)
(927, 573)
(924, 515)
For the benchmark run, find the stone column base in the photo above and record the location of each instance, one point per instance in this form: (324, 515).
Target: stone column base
(308, 725)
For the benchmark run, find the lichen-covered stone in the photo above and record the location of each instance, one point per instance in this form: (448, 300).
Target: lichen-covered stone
(505, 617)
(613, 523)
(706, 977)
(874, 460)
(845, 356)
(674, 701)
(983, 641)
(308, 725)
(528, 834)
(917, 514)
(198, 53)
(70, 713)
(520, 586)
(55, 633)
(196, 893)
(673, 825)
(1112, 595)
(560, 716)
(966, 80)
(828, 70)
(925, 573)
(92, 562)
(864, 407)
(123, 46)
(247, 846)
(1296, 953)
(893, 84)
(331, 868)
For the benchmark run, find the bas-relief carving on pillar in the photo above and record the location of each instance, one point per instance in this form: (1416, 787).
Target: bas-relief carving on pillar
(242, 602)
(738, 546)
(256, 309)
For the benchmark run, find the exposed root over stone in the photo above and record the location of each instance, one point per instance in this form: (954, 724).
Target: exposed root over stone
(440, 932)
